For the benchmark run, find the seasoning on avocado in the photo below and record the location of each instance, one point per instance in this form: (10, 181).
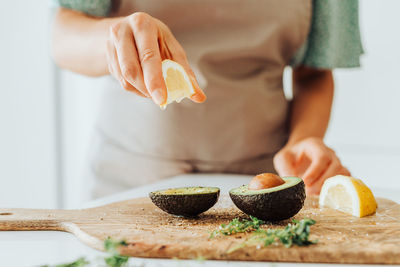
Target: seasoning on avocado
(185, 201)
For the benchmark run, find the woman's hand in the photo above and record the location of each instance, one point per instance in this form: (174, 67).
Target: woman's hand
(136, 46)
(311, 160)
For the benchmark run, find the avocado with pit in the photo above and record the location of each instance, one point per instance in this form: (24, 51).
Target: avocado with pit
(271, 204)
(185, 201)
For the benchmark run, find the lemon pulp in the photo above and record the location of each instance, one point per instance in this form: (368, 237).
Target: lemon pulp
(177, 82)
(349, 195)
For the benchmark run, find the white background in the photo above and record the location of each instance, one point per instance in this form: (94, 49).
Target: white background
(365, 126)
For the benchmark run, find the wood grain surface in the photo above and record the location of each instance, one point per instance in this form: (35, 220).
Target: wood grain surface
(150, 232)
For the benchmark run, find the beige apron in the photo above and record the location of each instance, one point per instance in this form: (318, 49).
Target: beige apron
(238, 50)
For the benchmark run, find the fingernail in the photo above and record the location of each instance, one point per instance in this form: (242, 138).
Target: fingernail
(198, 97)
(158, 96)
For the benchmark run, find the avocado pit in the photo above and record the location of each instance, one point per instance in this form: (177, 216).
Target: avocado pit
(265, 180)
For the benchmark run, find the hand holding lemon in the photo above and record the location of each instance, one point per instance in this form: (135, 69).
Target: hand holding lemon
(136, 46)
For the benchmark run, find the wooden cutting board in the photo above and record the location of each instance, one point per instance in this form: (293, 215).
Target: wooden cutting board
(150, 232)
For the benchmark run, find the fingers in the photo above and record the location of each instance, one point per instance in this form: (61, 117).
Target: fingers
(335, 168)
(199, 96)
(113, 66)
(122, 38)
(345, 171)
(146, 39)
(319, 162)
(284, 163)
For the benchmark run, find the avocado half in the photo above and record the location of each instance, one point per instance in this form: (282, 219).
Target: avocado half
(185, 201)
(271, 204)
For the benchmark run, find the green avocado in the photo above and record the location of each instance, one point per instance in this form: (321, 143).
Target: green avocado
(271, 204)
(185, 201)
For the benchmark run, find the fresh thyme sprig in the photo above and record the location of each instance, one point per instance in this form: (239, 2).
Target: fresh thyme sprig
(115, 260)
(81, 262)
(295, 233)
(238, 226)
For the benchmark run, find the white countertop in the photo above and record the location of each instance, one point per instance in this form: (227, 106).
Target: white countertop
(49, 247)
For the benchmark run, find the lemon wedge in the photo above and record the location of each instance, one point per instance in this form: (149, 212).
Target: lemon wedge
(177, 81)
(349, 195)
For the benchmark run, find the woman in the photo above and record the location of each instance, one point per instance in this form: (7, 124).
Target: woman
(237, 50)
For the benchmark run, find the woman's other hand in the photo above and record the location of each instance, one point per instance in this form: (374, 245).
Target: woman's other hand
(311, 160)
(136, 46)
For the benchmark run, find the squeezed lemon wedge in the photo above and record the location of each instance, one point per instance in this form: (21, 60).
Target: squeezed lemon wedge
(349, 195)
(177, 81)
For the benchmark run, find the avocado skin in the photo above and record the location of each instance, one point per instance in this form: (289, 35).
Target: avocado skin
(185, 205)
(273, 206)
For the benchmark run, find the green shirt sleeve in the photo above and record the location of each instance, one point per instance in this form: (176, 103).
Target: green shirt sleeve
(98, 8)
(334, 39)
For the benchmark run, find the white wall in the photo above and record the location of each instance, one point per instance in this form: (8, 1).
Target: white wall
(80, 97)
(27, 146)
(365, 127)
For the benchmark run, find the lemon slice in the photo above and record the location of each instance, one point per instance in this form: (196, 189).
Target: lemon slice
(349, 195)
(177, 81)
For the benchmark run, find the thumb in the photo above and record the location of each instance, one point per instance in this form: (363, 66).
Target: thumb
(284, 163)
(198, 96)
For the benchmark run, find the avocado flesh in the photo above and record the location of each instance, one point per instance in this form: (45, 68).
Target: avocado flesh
(271, 204)
(185, 201)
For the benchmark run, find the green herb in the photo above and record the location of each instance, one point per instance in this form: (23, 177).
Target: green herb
(115, 260)
(200, 258)
(295, 233)
(238, 226)
(81, 262)
(111, 246)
